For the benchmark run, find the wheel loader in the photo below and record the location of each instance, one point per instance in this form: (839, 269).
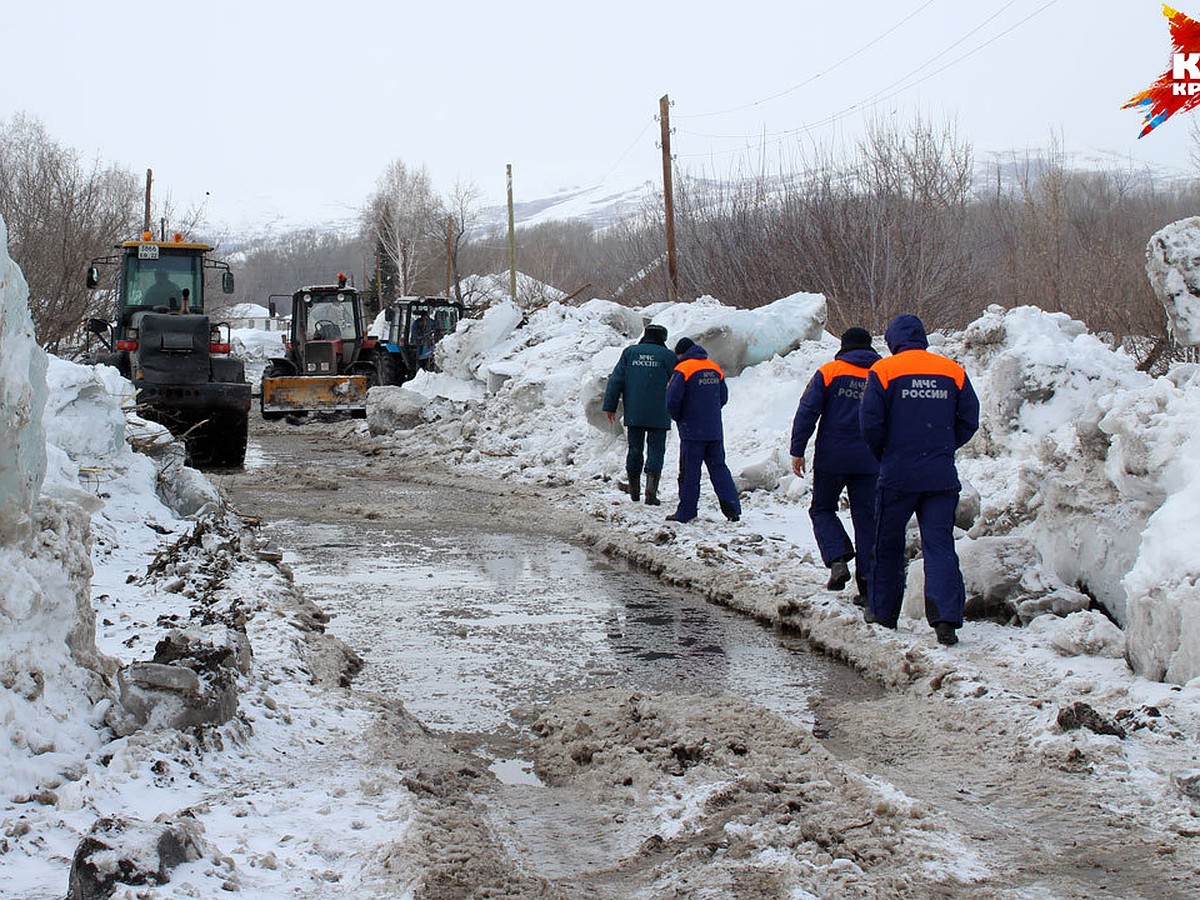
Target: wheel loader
(177, 358)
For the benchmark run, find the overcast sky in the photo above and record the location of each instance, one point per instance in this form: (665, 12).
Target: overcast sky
(286, 113)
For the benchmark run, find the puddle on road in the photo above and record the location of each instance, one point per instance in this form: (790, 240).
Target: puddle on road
(466, 627)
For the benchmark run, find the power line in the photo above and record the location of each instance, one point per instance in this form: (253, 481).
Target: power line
(812, 78)
(628, 150)
(896, 88)
(957, 42)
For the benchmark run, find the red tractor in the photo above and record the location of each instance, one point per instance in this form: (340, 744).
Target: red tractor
(330, 361)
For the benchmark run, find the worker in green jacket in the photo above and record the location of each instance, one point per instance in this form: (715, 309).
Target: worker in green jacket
(640, 380)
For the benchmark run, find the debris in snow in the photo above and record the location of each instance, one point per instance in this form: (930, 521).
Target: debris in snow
(1081, 715)
(120, 850)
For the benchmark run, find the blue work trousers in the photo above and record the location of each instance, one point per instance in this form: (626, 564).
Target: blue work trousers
(945, 594)
(655, 442)
(831, 536)
(712, 455)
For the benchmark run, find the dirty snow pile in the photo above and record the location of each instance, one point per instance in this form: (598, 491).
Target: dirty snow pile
(50, 684)
(1077, 488)
(255, 347)
(482, 292)
(108, 556)
(1174, 271)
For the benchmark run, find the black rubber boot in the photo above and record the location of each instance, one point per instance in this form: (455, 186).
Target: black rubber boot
(730, 511)
(652, 489)
(946, 634)
(839, 575)
(635, 485)
(861, 598)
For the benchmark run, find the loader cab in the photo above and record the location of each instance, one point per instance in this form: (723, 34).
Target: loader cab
(160, 338)
(158, 284)
(152, 277)
(159, 277)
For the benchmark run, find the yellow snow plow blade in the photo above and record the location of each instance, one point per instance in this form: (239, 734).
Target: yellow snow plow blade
(314, 393)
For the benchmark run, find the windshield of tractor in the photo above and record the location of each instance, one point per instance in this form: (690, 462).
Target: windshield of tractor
(330, 318)
(159, 284)
(447, 320)
(429, 323)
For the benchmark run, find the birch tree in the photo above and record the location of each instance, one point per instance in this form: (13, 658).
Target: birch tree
(406, 218)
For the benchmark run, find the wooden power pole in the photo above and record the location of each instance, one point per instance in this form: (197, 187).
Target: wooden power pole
(512, 241)
(664, 118)
(146, 220)
(449, 252)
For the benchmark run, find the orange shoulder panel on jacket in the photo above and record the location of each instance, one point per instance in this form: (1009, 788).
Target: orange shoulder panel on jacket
(918, 362)
(690, 367)
(839, 367)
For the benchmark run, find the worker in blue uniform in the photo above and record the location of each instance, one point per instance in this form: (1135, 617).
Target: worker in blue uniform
(695, 395)
(917, 409)
(842, 461)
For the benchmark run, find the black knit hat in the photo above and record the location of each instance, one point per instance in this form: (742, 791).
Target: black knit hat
(856, 339)
(684, 345)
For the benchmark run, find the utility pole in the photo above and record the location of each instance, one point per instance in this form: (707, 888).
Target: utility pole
(449, 252)
(146, 220)
(380, 302)
(664, 118)
(512, 241)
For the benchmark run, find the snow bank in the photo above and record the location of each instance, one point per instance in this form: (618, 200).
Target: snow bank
(481, 292)
(1045, 462)
(1173, 266)
(22, 396)
(48, 657)
(1163, 621)
(744, 338)
(254, 347)
(248, 311)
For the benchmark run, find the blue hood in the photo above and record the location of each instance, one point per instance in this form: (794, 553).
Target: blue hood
(694, 352)
(862, 357)
(906, 332)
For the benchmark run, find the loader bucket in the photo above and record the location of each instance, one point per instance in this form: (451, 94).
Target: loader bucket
(314, 393)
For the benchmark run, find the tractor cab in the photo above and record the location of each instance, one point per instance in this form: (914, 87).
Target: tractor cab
(416, 324)
(327, 330)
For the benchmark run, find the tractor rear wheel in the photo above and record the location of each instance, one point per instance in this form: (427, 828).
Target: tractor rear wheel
(390, 369)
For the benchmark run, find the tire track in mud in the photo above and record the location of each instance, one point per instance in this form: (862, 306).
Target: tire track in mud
(1041, 812)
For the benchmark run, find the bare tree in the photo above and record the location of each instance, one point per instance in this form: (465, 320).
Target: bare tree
(463, 219)
(879, 231)
(284, 263)
(406, 218)
(1073, 241)
(60, 215)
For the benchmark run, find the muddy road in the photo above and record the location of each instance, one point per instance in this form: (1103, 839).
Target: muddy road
(465, 613)
(593, 732)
